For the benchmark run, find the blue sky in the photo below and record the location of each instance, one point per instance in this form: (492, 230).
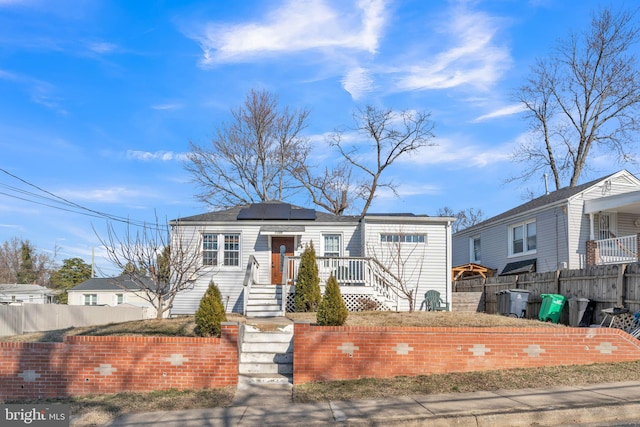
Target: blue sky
(100, 99)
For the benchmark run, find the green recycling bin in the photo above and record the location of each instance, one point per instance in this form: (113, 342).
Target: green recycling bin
(551, 308)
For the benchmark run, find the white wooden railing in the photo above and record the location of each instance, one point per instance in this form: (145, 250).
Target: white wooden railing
(617, 250)
(349, 271)
(250, 277)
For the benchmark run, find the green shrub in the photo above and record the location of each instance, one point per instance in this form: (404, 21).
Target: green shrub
(307, 293)
(332, 310)
(210, 313)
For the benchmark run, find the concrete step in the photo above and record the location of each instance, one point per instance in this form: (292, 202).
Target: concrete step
(263, 313)
(268, 337)
(259, 380)
(261, 347)
(247, 357)
(265, 368)
(263, 306)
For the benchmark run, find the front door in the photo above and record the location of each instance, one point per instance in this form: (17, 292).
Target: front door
(280, 247)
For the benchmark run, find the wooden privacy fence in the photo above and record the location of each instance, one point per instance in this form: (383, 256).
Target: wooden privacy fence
(605, 285)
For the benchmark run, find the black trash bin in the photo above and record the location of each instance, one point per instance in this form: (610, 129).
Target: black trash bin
(513, 302)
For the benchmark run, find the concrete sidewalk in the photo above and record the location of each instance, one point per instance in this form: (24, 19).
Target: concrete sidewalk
(540, 407)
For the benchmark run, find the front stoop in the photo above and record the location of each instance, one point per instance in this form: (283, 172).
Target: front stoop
(265, 301)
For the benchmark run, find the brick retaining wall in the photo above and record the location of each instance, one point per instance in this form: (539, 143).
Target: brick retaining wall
(112, 364)
(343, 353)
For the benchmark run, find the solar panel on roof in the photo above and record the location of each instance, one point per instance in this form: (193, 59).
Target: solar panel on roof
(306, 214)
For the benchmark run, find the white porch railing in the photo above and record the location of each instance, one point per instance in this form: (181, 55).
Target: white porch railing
(617, 250)
(250, 277)
(350, 271)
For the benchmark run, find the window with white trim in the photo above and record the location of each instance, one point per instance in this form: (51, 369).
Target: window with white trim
(90, 299)
(522, 238)
(228, 251)
(474, 249)
(119, 298)
(231, 254)
(403, 238)
(331, 245)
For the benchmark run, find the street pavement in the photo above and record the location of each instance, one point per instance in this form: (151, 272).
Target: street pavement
(271, 405)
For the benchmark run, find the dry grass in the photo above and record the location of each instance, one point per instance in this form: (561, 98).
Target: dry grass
(96, 410)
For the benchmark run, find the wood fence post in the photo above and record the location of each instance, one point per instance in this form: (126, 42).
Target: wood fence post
(556, 279)
(620, 285)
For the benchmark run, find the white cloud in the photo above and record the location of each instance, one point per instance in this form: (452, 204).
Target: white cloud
(474, 56)
(166, 106)
(296, 26)
(102, 47)
(108, 195)
(357, 82)
(459, 152)
(407, 190)
(501, 112)
(147, 156)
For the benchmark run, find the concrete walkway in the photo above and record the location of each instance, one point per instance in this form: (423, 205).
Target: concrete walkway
(557, 406)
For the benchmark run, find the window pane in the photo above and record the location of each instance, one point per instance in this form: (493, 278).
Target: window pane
(531, 236)
(210, 249)
(332, 245)
(476, 249)
(518, 244)
(232, 249)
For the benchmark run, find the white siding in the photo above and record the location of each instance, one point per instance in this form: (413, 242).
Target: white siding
(230, 279)
(423, 266)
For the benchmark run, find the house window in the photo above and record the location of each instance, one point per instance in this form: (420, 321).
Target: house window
(210, 249)
(331, 245)
(474, 244)
(403, 238)
(119, 298)
(232, 249)
(90, 299)
(522, 238)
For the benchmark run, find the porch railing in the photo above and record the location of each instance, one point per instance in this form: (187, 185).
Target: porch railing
(617, 250)
(250, 277)
(349, 271)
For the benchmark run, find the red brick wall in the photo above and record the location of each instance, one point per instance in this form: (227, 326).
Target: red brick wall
(343, 353)
(86, 365)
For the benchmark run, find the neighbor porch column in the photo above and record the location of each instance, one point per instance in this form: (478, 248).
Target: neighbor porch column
(592, 256)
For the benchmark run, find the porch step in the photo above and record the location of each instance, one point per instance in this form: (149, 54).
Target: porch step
(265, 300)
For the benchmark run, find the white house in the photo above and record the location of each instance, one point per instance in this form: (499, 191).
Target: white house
(373, 257)
(594, 223)
(112, 291)
(23, 293)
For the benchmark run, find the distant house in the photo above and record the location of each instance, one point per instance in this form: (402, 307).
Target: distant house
(260, 244)
(112, 291)
(594, 223)
(28, 294)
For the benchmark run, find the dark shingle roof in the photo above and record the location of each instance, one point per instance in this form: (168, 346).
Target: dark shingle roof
(120, 283)
(231, 214)
(556, 196)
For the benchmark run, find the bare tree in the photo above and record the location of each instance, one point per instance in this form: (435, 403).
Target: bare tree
(169, 267)
(464, 218)
(250, 158)
(20, 262)
(404, 259)
(332, 191)
(391, 135)
(582, 99)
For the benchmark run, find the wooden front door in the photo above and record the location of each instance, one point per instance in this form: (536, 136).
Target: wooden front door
(280, 247)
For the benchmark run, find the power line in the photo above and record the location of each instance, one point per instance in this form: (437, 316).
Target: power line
(51, 200)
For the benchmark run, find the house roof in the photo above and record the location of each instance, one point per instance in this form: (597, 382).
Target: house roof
(519, 267)
(18, 288)
(120, 283)
(266, 211)
(548, 199)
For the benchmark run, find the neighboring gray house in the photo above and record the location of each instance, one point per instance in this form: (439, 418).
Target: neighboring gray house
(111, 291)
(260, 244)
(555, 231)
(30, 294)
